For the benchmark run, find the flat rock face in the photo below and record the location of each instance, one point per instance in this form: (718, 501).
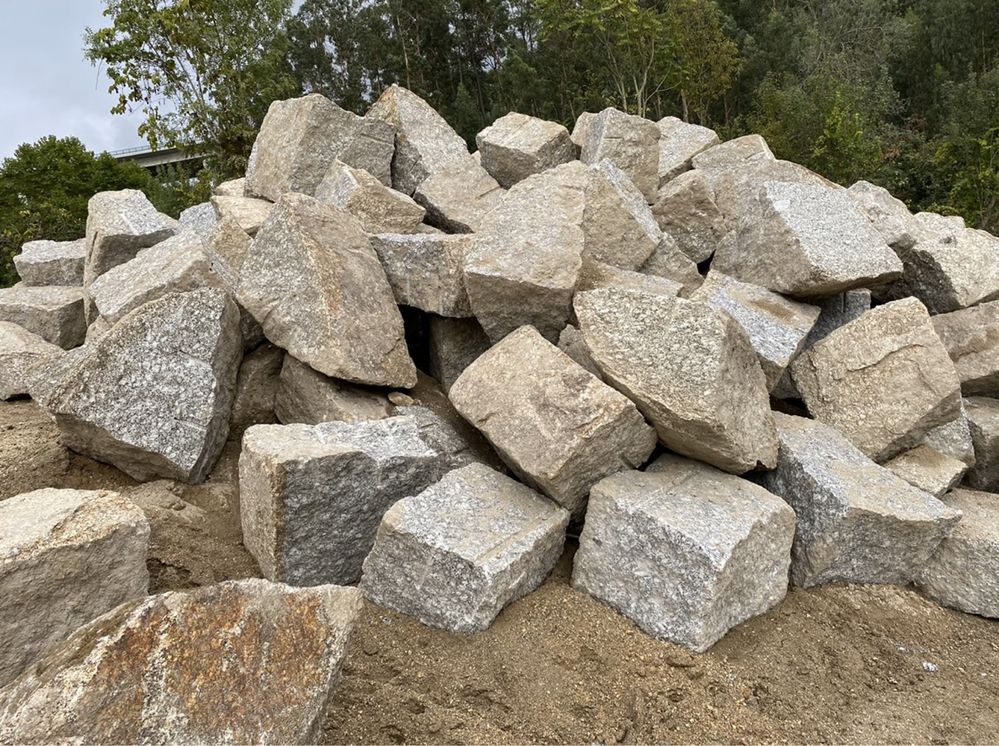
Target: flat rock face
(52, 262)
(456, 554)
(256, 388)
(690, 369)
(686, 211)
(618, 226)
(22, 355)
(597, 275)
(670, 262)
(316, 286)
(378, 208)
(581, 128)
(119, 224)
(685, 551)
(311, 497)
(248, 212)
(777, 327)
(516, 146)
(629, 142)
(890, 217)
(884, 380)
(555, 425)
(66, 557)
(732, 155)
(305, 396)
(953, 438)
(964, 571)
(200, 218)
(809, 241)
(424, 142)
(231, 188)
(242, 662)
(426, 271)
(459, 195)
(454, 345)
(54, 313)
(153, 394)
(971, 337)
(679, 142)
(857, 522)
(927, 469)
(983, 417)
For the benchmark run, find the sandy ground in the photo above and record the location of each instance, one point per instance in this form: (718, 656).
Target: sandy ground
(837, 664)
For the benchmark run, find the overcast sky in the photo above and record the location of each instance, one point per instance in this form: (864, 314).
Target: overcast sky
(46, 85)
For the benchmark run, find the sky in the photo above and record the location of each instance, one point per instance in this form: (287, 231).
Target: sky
(46, 85)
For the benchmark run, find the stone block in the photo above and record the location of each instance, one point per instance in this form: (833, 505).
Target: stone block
(679, 142)
(971, 337)
(516, 146)
(54, 313)
(426, 271)
(983, 418)
(22, 356)
(629, 142)
(458, 195)
(305, 396)
(378, 208)
(52, 263)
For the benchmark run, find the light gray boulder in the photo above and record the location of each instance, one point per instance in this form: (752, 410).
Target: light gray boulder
(66, 557)
(598, 275)
(732, 155)
(456, 554)
(378, 208)
(679, 142)
(305, 396)
(454, 345)
(670, 262)
(231, 188)
(52, 262)
(629, 142)
(581, 128)
(54, 313)
(890, 217)
(248, 212)
(22, 356)
(618, 226)
(685, 551)
(426, 271)
(983, 418)
(571, 342)
(238, 662)
(256, 388)
(200, 218)
(736, 190)
(690, 369)
(971, 337)
(953, 438)
(458, 195)
(884, 380)
(317, 288)
(153, 394)
(856, 521)
(559, 428)
(312, 496)
(685, 210)
(927, 469)
(517, 145)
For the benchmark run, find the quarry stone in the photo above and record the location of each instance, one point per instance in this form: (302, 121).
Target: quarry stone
(971, 337)
(248, 212)
(119, 224)
(598, 275)
(618, 225)
(983, 419)
(670, 262)
(927, 469)
(54, 313)
(199, 218)
(953, 438)
(306, 396)
(256, 388)
(378, 208)
(516, 146)
(890, 217)
(571, 342)
(22, 356)
(52, 263)
(629, 142)
(457, 196)
(426, 271)
(231, 188)
(679, 142)
(686, 211)
(732, 155)
(454, 345)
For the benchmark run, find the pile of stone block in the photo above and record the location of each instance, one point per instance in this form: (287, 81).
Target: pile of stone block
(723, 372)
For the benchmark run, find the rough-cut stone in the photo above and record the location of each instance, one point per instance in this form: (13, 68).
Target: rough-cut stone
(52, 312)
(424, 142)
(670, 262)
(964, 571)
(457, 553)
(119, 225)
(248, 212)
(153, 394)
(571, 342)
(686, 211)
(52, 262)
(983, 419)
(239, 662)
(685, 551)
(629, 142)
(301, 137)
(200, 218)
(256, 387)
(66, 557)
(22, 355)
(378, 208)
(857, 522)
(581, 128)
(777, 327)
(890, 217)
(690, 369)
(927, 469)
(618, 225)
(457, 196)
(316, 286)
(598, 275)
(807, 241)
(312, 496)
(555, 425)
(732, 155)
(231, 188)
(679, 142)
(971, 337)
(454, 345)
(426, 271)
(305, 396)
(516, 146)
(884, 380)
(953, 438)
(737, 190)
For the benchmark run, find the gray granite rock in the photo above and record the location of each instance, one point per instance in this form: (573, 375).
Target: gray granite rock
(618, 226)
(690, 369)
(238, 662)
(305, 396)
(555, 425)
(629, 142)
(686, 211)
(732, 155)
(581, 128)
(256, 388)
(571, 342)
(200, 218)
(458, 195)
(231, 188)
(598, 275)
(983, 418)
(971, 337)
(884, 380)
(52, 262)
(890, 217)
(670, 262)
(22, 356)
(516, 146)
(66, 557)
(953, 438)
(426, 271)
(312, 496)
(927, 469)
(378, 208)
(679, 142)
(685, 551)
(248, 212)
(228, 246)
(856, 521)
(454, 345)
(316, 286)
(153, 394)
(52, 312)
(456, 554)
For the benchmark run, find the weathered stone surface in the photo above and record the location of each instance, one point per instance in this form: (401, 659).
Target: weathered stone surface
(454, 345)
(679, 142)
(66, 557)
(929, 470)
(983, 418)
(807, 241)
(571, 342)
(690, 369)
(554, 424)
(52, 312)
(248, 212)
(618, 225)
(670, 262)
(426, 271)
(964, 571)
(301, 137)
(424, 142)
(732, 155)
(953, 438)
(311, 497)
(239, 662)
(685, 551)
(256, 388)
(308, 397)
(200, 218)
(884, 380)
(686, 211)
(378, 208)
(22, 355)
(516, 146)
(857, 522)
(153, 394)
(231, 188)
(971, 337)
(581, 128)
(890, 217)
(777, 327)
(119, 224)
(52, 262)
(598, 275)
(457, 553)
(316, 286)
(629, 142)
(228, 245)
(736, 190)
(458, 195)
